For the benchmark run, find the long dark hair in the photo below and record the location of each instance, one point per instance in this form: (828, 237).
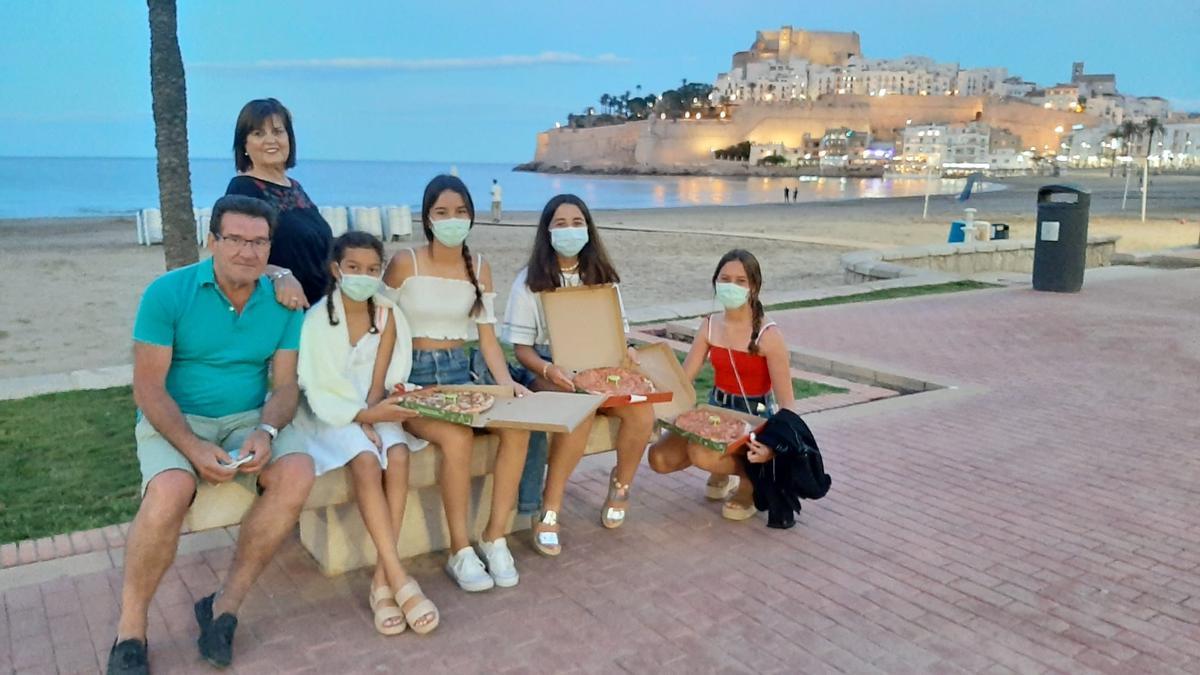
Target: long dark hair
(754, 276)
(433, 190)
(594, 266)
(349, 240)
(252, 117)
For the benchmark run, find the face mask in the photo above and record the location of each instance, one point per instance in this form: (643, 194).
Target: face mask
(359, 287)
(732, 296)
(568, 241)
(451, 231)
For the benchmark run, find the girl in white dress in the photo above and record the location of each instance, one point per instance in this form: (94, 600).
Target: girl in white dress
(354, 348)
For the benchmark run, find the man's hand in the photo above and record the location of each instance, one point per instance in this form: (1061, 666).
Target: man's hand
(289, 293)
(207, 459)
(258, 443)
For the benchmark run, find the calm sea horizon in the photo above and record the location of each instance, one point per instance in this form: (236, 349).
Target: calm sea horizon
(32, 187)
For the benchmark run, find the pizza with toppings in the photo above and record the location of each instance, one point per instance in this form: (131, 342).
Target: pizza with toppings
(613, 382)
(458, 402)
(713, 425)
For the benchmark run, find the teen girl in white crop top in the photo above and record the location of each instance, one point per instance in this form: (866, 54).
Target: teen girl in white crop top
(446, 294)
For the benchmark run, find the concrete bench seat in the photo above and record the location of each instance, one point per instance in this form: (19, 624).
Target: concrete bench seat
(332, 530)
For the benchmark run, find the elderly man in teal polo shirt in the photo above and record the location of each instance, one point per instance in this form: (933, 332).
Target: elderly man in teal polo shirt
(208, 340)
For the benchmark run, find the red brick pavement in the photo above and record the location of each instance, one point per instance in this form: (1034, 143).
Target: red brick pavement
(1047, 524)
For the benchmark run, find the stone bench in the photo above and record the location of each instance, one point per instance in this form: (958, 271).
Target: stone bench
(330, 526)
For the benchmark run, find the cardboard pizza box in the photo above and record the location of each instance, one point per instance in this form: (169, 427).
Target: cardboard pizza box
(756, 424)
(555, 412)
(587, 331)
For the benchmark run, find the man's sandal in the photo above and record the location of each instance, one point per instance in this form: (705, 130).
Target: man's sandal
(425, 607)
(384, 614)
(719, 488)
(545, 533)
(617, 502)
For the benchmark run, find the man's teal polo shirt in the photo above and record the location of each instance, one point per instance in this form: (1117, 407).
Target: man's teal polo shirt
(221, 359)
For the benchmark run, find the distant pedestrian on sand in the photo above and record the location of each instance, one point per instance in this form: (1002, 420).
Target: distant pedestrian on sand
(497, 194)
(786, 194)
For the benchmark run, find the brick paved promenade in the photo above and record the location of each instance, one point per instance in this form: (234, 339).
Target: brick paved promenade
(1042, 517)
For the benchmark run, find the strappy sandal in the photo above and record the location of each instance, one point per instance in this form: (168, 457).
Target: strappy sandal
(545, 539)
(425, 607)
(385, 613)
(716, 491)
(735, 510)
(613, 516)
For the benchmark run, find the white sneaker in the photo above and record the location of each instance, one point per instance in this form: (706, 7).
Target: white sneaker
(468, 571)
(500, 562)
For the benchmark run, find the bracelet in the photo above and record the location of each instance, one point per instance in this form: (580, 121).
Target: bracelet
(545, 369)
(280, 274)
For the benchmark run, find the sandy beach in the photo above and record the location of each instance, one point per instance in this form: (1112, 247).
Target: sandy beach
(71, 286)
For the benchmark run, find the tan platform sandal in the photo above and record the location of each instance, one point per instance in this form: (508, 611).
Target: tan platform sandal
(545, 533)
(385, 613)
(613, 516)
(424, 608)
(733, 509)
(720, 488)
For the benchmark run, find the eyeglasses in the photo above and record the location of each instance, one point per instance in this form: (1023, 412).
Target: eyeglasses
(258, 245)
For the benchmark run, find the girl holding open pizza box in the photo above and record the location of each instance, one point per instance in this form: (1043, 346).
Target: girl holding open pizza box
(567, 252)
(446, 293)
(752, 375)
(355, 345)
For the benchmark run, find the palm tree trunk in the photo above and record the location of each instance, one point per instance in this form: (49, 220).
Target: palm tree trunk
(169, 91)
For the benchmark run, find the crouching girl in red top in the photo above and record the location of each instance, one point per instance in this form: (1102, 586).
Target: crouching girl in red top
(752, 375)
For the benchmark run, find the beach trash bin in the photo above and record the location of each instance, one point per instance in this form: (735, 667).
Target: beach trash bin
(958, 233)
(999, 230)
(1060, 248)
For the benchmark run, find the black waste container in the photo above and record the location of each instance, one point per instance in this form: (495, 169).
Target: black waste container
(999, 230)
(1060, 250)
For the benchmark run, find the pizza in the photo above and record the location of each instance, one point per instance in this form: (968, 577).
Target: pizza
(461, 402)
(613, 382)
(713, 425)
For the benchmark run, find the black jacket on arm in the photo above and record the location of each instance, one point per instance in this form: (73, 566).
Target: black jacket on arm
(795, 473)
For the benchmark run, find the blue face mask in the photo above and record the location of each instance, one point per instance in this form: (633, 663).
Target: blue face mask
(451, 231)
(732, 296)
(568, 241)
(359, 287)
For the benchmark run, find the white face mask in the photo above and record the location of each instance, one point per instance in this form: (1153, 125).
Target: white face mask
(451, 231)
(359, 287)
(732, 296)
(568, 241)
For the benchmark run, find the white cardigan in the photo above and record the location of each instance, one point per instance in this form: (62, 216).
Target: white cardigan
(325, 351)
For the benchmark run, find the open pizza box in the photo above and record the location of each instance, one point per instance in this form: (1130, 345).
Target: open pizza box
(660, 364)
(556, 412)
(587, 331)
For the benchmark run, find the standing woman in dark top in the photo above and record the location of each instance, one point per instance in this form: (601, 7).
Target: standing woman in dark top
(264, 148)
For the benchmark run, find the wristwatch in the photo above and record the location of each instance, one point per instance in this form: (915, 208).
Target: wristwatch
(271, 431)
(280, 274)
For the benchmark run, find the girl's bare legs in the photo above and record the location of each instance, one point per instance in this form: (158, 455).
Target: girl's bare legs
(669, 454)
(637, 423)
(456, 442)
(372, 504)
(565, 452)
(506, 477)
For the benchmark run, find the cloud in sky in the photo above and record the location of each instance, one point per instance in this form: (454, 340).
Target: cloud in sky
(386, 64)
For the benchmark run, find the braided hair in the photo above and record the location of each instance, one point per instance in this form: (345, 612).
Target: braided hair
(754, 276)
(433, 190)
(340, 245)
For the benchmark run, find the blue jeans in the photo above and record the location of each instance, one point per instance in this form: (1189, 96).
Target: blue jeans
(440, 366)
(724, 399)
(533, 477)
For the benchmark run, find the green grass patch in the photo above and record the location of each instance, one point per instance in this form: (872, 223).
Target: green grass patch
(70, 463)
(886, 294)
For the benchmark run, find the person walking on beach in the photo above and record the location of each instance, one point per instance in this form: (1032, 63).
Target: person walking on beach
(785, 194)
(497, 195)
(209, 340)
(264, 148)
